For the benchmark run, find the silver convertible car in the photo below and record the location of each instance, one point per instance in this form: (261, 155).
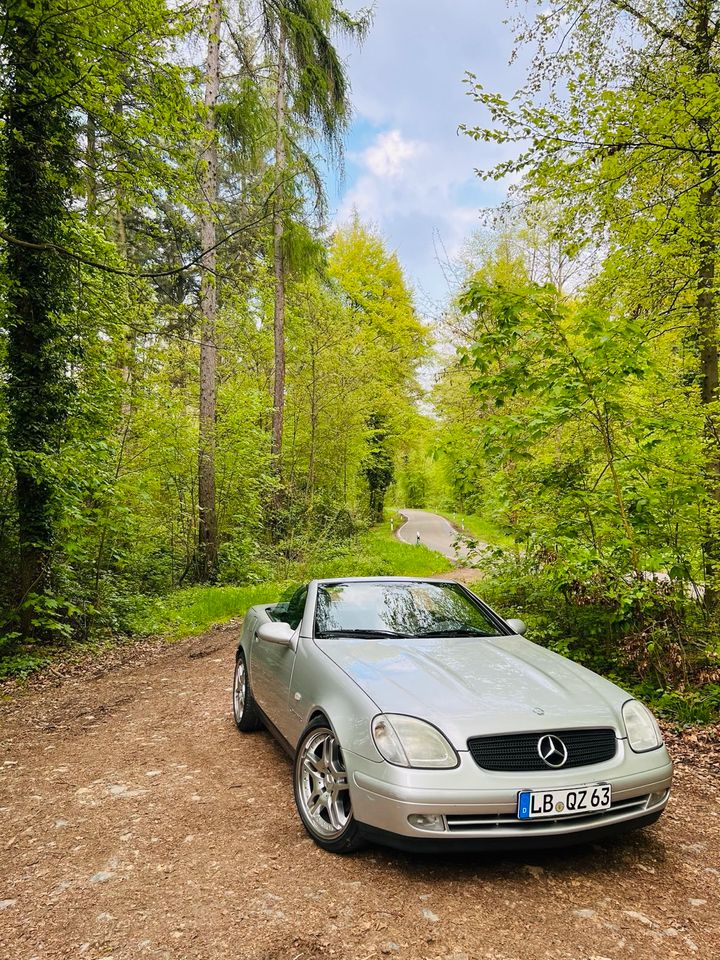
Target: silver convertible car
(419, 718)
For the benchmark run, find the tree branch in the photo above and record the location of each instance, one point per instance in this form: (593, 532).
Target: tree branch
(119, 271)
(664, 32)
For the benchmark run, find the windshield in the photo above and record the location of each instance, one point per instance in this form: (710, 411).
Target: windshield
(398, 609)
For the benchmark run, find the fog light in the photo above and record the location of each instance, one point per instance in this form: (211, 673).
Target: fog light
(656, 798)
(427, 821)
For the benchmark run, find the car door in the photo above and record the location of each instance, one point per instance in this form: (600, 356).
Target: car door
(271, 668)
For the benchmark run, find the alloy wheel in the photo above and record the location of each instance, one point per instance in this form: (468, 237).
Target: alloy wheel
(239, 689)
(322, 784)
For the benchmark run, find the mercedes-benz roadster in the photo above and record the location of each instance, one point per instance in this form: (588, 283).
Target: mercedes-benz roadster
(419, 718)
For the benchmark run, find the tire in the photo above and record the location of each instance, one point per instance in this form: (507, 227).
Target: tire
(326, 813)
(245, 711)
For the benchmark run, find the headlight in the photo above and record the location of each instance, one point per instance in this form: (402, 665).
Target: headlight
(409, 742)
(642, 729)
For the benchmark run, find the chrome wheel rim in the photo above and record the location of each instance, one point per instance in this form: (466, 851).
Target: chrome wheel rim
(322, 784)
(239, 689)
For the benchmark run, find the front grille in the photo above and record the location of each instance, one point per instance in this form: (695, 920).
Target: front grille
(490, 822)
(519, 751)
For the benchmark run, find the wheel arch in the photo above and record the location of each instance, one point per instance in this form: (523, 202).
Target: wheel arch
(319, 714)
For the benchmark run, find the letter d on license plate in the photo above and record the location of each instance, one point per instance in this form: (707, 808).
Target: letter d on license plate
(567, 802)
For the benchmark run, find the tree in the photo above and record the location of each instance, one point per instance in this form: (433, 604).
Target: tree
(311, 84)
(206, 566)
(392, 343)
(562, 420)
(379, 465)
(59, 70)
(37, 184)
(629, 153)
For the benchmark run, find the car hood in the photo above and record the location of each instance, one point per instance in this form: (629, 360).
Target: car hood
(474, 686)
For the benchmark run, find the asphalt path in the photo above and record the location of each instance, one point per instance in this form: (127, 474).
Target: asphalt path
(434, 532)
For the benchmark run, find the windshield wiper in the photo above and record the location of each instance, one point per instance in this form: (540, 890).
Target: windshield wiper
(457, 632)
(359, 632)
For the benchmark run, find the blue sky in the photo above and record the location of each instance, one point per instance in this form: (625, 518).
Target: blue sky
(408, 171)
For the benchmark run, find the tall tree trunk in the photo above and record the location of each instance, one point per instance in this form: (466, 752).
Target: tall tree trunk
(207, 528)
(90, 167)
(707, 317)
(119, 212)
(313, 425)
(35, 194)
(279, 263)
(127, 357)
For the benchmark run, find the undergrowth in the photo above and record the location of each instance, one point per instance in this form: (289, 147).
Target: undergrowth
(192, 610)
(646, 636)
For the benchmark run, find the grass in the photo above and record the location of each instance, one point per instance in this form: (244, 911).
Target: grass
(480, 528)
(388, 556)
(193, 610)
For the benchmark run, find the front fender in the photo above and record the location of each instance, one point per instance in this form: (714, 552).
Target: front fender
(320, 686)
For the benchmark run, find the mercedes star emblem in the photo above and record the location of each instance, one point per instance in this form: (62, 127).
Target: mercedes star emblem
(552, 750)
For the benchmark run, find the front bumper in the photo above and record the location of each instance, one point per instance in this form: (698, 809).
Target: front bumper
(479, 807)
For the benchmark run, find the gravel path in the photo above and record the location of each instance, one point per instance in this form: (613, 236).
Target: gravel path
(138, 823)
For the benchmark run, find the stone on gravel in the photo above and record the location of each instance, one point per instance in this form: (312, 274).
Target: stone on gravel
(640, 917)
(120, 790)
(585, 912)
(101, 876)
(4, 904)
(429, 915)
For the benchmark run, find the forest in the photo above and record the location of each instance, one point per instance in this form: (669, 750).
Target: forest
(211, 388)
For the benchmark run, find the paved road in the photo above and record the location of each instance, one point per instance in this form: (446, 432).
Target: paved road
(138, 824)
(435, 532)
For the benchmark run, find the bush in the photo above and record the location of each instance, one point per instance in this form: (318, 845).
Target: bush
(648, 636)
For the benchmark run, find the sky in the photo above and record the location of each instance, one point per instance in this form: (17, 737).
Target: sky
(407, 169)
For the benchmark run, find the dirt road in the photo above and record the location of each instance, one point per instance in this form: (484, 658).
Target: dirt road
(136, 822)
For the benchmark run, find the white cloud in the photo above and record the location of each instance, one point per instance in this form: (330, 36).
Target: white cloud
(411, 189)
(388, 157)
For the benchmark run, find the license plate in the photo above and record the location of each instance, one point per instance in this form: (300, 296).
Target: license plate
(592, 798)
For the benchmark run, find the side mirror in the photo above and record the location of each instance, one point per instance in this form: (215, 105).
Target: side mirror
(517, 626)
(276, 632)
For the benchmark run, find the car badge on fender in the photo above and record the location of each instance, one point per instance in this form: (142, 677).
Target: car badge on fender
(552, 751)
